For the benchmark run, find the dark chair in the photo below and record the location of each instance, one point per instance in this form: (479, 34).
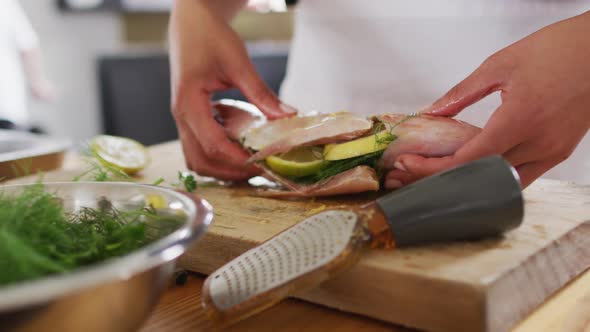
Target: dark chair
(135, 93)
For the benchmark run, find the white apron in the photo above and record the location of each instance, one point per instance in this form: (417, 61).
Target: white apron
(377, 56)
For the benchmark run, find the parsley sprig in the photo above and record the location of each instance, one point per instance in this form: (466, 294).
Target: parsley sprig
(187, 181)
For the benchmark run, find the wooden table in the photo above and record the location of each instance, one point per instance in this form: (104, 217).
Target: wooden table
(180, 310)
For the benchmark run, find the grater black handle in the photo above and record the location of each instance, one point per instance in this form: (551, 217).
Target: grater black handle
(478, 199)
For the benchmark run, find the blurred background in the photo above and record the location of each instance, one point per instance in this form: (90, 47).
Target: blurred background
(102, 65)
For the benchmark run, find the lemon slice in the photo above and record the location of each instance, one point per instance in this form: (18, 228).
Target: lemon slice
(297, 163)
(156, 201)
(123, 153)
(359, 146)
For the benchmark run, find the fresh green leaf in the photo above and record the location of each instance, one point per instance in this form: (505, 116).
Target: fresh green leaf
(187, 181)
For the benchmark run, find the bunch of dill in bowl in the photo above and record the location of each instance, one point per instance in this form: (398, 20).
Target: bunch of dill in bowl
(39, 238)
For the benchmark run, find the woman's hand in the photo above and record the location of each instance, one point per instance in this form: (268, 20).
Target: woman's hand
(206, 55)
(544, 81)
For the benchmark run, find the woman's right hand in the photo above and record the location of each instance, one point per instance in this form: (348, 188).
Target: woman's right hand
(206, 55)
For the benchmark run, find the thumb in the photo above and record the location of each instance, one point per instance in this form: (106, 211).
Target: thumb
(421, 167)
(486, 143)
(259, 94)
(486, 79)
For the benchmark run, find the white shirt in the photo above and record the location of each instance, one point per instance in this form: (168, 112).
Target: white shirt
(16, 35)
(394, 56)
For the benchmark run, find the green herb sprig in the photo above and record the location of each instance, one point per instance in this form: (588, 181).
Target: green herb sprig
(158, 182)
(99, 171)
(102, 172)
(38, 238)
(334, 167)
(187, 181)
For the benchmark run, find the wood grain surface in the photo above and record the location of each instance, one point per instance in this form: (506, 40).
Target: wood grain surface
(180, 311)
(481, 286)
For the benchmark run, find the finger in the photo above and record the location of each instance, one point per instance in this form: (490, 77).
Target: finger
(195, 112)
(421, 166)
(531, 171)
(197, 161)
(397, 178)
(486, 79)
(393, 184)
(259, 94)
(497, 137)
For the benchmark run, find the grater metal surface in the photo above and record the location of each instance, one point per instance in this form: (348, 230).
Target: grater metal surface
(301, 249)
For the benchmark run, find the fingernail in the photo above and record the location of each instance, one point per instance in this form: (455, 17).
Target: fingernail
(287, 109)
(393, 184)
(400, 166)
(424, 109)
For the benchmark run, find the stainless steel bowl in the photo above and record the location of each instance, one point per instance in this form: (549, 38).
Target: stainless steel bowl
(115, 295)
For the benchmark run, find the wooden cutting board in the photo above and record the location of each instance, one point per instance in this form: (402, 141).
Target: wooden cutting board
(481, 286)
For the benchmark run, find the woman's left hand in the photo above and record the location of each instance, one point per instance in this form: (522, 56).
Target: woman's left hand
(544, 81)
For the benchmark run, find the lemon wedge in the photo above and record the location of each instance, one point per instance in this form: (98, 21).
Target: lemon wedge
(297, 163)
(123, 153)
(156, 201)
(359, 146)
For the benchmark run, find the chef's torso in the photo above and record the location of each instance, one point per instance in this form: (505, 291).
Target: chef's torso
(399, 56)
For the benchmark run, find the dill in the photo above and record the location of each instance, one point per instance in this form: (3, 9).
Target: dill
(406, 118)
(38, 238)
(385, 139)
(383, 136)
(158, 182)
(379, 127)
(100, 172)
(334, 167)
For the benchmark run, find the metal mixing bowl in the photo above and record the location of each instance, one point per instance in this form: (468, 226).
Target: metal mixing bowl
(115, 295)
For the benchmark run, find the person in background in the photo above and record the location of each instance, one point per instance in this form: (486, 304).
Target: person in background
(400, 56)
(20, 66)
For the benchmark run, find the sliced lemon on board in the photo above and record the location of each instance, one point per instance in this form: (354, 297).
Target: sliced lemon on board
(123, 153)
(358, 147)
(298, 162)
